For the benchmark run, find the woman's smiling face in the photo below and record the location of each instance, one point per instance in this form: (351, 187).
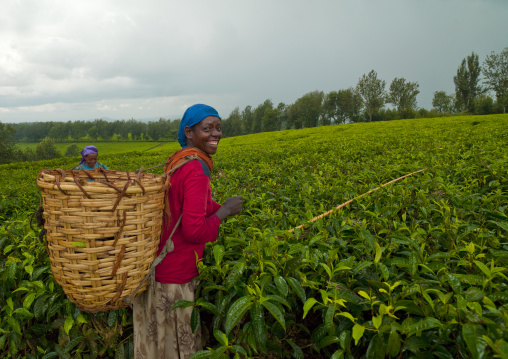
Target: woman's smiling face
(205, 135)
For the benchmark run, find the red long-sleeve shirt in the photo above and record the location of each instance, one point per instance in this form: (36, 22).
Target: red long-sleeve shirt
(190, 194)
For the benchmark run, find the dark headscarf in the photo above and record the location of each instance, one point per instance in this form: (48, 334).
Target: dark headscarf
(192, 116)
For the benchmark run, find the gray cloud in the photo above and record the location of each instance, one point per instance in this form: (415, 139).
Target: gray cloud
(126, 59)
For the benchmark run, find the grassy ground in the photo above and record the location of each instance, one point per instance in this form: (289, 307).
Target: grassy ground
(106, 148)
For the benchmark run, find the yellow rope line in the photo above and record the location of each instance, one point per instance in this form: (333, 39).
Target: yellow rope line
(351, 200)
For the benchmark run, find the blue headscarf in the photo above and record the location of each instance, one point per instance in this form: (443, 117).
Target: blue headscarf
(192, 116)
(86, 151)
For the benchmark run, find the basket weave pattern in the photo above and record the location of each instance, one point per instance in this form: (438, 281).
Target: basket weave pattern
(102, 232)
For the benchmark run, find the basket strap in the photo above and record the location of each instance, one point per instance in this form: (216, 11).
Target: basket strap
(112, 186)
(120, 196)
(120, 231)
(80, 187)
(120, 289)
(100, 169)
(118, 260)
(168, 247)
(57, 181)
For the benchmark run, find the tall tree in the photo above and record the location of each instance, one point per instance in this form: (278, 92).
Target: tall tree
(271, 119)
(350, 105)
(306, 111)
(442, 102)
(294, 118)
(372, 91)
(403, 95)
(259, 113)
(467, 87)
(7, 145)
(495, 70)
(79, 129)
(330, 109)
(46, 150)
(283, 115)
(247, 119)
(59, 131)
(343, 106)
(232, 126)
(158, 130)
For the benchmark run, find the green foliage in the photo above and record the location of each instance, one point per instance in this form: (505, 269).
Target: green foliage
(46, 150)
(495, 70)
(443, 103)
(372, 89)
(72, 151)
(416, 269)
(467, 86)
(6, 143)
(342, 106)
(403, 96)
(306, 111)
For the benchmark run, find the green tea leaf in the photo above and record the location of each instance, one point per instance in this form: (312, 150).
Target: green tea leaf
(201, 354)
(281, 285)
(358, 333)
(112, 317)
(331, 339)
(182, 304)
(235, 274)
(69, 322)
(297, 351)
(483, 268)
(257, 316)
(221, 337)
(276, 313)
(27, 302)
(328, 319)
(120, 351)
(308, 305)
(297, 288)
(278, 299)
(379, 251)
(236, 312)
(472, 335)
(201, 302)
(454, 283)
(218, 254)
(347, 315)
(424, 324)
(72, 343)
(195, 319)
(22, 311)
(345, 339)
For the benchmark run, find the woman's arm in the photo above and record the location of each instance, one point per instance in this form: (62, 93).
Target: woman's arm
(197, 226)
(231, 206)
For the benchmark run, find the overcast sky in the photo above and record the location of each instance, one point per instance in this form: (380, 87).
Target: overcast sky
(73, 60)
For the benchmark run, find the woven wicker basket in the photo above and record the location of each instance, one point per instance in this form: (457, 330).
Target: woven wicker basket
(102, 232)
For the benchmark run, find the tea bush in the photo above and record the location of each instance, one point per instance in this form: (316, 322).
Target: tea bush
(417, 269)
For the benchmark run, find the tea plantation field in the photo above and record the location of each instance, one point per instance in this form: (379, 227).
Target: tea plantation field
(417, 269)
(106, 148)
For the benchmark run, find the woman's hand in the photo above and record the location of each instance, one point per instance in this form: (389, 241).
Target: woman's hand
(230, 207)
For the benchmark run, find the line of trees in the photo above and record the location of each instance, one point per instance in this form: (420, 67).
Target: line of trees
(163, 129)
(364, 102)
(45, 150)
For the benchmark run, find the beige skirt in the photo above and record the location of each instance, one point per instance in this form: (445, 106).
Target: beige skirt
(160, 332)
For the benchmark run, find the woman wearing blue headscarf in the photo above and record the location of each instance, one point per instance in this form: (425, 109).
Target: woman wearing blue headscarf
(89, 159)
(160, 332)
